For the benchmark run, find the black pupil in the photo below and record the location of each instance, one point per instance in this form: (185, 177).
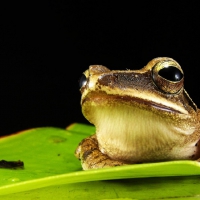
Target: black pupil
(82, 81)
(171, 73)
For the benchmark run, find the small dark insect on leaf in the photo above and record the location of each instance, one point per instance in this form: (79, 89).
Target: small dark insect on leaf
(11, 164)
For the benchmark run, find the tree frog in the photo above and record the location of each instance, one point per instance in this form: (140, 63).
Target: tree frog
(140, 116)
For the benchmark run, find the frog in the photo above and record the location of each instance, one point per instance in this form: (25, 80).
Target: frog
(140, 116)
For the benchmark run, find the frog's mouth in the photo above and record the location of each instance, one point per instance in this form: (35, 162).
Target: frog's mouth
(155, 105)
(134, 101)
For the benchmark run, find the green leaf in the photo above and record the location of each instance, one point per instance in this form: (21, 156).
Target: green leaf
(52, 171)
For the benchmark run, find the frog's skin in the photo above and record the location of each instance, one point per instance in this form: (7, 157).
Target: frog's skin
(140, 116)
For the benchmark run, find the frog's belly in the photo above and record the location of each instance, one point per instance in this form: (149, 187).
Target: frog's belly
(137, 154)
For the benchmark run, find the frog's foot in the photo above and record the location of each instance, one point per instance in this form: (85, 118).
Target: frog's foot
(91, 157)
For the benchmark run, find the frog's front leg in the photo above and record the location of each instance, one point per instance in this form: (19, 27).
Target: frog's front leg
(91, 157)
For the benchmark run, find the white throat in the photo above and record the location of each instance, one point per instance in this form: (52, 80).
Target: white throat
(135, 134)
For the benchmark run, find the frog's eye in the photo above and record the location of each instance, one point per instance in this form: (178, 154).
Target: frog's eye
(168, 76)
(82, 81)
(171, 73)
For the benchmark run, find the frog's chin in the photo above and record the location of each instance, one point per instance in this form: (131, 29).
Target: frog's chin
(137, 135)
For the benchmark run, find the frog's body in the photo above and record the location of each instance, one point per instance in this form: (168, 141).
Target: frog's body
(140, 116)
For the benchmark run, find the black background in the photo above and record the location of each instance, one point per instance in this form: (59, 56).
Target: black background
(46, 46)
